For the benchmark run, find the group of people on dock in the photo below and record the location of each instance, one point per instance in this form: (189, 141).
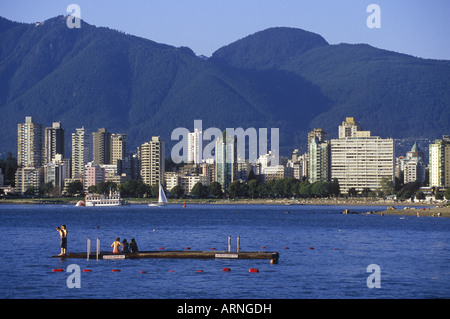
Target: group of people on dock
(126, 247)
(130, 247)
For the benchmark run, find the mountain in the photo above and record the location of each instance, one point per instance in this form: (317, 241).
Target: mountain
(280, 77)
(268, 49)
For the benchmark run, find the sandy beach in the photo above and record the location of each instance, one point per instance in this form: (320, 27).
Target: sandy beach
(419, 212)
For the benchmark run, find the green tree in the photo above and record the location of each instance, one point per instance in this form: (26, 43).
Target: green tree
(177, 191)
(9, 168)
(253, 188)
(264, 190)
(420, 195)
(199, 190)
(235, 189)
(46, 189)
(291, 186)
(387, 186)
(135, 188)
(447, 193)
(334, 187)
(305, 189)
(319, 189)
(215, 189)
(154, 191)
(278, 187)
(366, 192)
(75, 188)
(352, 192)
(30, 191)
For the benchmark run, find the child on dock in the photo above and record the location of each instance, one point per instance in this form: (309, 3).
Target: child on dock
(116, 245)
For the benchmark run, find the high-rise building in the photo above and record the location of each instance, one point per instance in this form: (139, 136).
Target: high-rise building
(319, 156)
(195, 140)
(30, 143)
(118, 147)
(93, 174)
(412, 166)
(101, 146)
(81, 151)
(349, 128)
(360, 161)
(28, 176)
(129, 165)
(54, 142)
(318, 134)
(226, 160)
(56, 173)
(439, 166)
(152, 158)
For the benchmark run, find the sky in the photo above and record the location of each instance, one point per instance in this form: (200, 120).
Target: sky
(416, 27)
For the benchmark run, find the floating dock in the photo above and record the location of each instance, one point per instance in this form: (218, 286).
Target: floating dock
(273, 256)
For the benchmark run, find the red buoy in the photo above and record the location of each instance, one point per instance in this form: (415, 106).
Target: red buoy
(263, 247)
(253, 270)
(286, 247)
(226, 269)
(187, 248)
(142, 272)
(199, 270)
(212, 248)
(116, 270)
(58, 270)
(87, 270)
(311, 248)
(161, 248)
(171, 270)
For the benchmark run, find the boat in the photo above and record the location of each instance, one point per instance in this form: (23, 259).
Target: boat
(113, 199)
(162, 200)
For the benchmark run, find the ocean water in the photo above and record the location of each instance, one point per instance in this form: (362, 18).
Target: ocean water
(323, 254)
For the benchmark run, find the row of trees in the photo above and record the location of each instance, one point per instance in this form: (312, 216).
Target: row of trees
(132, 188)
(281, 188)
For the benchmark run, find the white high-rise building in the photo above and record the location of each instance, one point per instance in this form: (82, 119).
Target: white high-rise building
(360, 161)
(30, 143)
(152, 157)
(81, 151)
(439, 165)
(195, 147)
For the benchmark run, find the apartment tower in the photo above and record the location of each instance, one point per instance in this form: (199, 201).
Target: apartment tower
(152, 157)
(439, 165)
(359, 160)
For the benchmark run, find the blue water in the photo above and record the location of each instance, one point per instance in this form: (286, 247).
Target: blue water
(412, 252)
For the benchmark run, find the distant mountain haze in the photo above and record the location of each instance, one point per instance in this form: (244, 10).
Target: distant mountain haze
(280, 77)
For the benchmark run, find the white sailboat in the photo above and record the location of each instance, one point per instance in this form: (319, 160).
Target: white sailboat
(162, 200)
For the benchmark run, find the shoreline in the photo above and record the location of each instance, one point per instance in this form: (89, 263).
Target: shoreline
(411, 209)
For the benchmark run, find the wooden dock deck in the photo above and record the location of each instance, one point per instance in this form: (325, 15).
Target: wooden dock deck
(273, 256)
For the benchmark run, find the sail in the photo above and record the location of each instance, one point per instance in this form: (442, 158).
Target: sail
(162, 195)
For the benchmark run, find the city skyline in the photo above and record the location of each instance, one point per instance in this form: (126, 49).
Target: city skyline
(356, 159)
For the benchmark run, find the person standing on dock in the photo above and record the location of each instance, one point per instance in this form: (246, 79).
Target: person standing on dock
(116, 245)
(63, 234)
